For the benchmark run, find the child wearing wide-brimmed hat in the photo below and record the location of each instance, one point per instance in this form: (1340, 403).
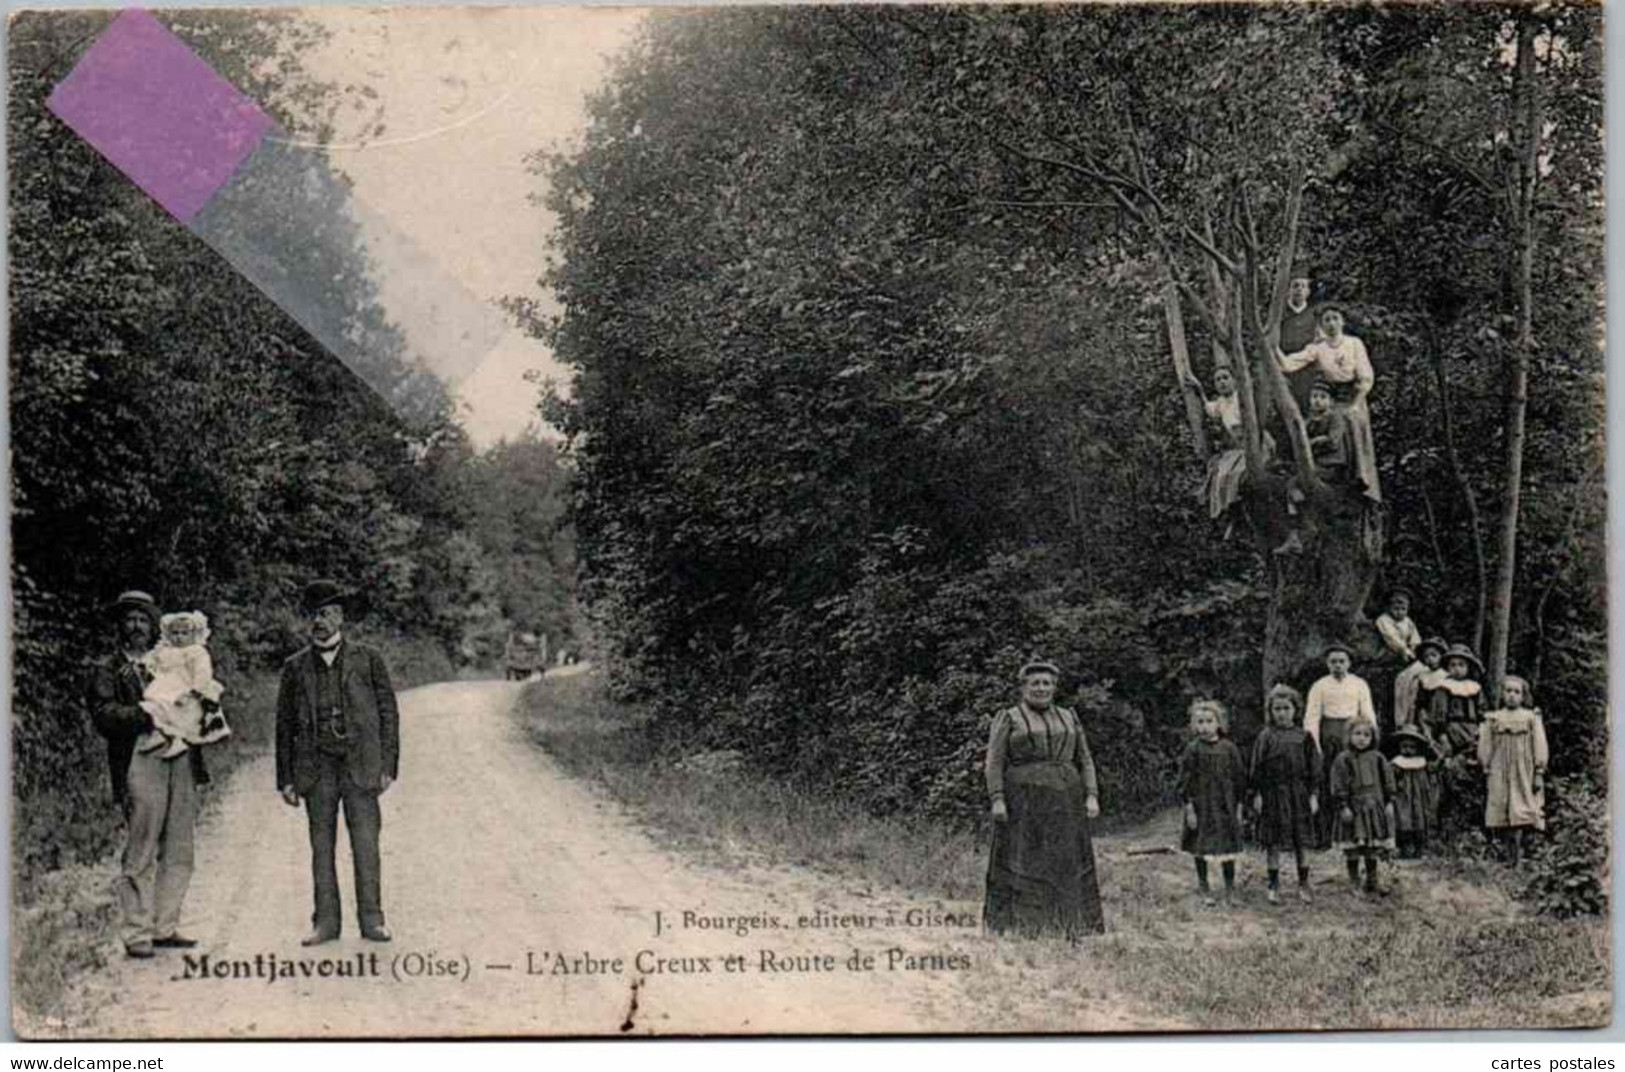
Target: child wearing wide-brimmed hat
(1416, 791)
(1512, 749)
(1454, 708)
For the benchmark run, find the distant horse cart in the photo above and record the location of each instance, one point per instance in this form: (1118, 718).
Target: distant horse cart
(525, 657)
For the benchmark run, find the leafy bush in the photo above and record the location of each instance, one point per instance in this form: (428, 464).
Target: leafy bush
(1571, 864)
(884, 695)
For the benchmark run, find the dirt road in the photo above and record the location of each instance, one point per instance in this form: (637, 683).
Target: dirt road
(525, 904)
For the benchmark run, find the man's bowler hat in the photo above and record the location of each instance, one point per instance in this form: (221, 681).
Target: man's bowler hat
(323, 593)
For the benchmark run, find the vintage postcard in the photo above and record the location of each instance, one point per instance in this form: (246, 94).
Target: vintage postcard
(600, 521)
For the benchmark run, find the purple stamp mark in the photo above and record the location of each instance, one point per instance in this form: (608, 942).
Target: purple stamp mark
(159, 113)
(210, 156)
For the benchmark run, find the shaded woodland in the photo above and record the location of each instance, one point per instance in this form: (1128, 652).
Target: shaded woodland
(173, 430)
(881, 320)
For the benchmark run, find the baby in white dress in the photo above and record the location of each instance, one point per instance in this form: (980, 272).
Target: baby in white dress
(183, 696)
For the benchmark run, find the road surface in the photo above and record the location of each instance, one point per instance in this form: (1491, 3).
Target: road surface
(525, 903)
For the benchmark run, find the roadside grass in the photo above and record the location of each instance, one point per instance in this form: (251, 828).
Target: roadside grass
(64, 921)
(1448, 947)
(1388, 974)
(733, 817)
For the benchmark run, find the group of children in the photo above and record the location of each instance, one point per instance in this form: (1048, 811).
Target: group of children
(1320, 775)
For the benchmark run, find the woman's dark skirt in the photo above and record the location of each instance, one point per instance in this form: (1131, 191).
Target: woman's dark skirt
(1041, 871)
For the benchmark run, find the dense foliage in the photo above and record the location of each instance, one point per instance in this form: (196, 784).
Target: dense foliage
(1570, 868)
(173, 430)
(872, 401)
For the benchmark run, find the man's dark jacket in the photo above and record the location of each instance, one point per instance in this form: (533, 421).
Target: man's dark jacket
(371, 719)
(113, 693)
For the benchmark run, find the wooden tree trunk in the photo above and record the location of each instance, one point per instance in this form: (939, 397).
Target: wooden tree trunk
(1195, 415)
(1527, 125)
(1458, 472)
(1319, 596)
(1220, 299)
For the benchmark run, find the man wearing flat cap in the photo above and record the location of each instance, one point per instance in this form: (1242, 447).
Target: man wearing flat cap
(338, 747)
(157, 795)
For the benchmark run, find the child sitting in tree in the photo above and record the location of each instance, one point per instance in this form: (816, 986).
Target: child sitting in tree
(1512, 749)
(1329, 446)
(1362, 786)
(1416, 791)
(183, 698)
(1398, 629)
(1330, 440)
(1212, 780)
(1285, 779)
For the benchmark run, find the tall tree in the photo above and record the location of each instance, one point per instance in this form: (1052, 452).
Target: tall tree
(873, 393)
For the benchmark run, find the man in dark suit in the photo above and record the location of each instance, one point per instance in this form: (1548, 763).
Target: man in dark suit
(1299, 327)
(338, 745)
(158, 796)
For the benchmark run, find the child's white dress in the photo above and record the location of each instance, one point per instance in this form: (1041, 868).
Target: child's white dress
(177, 714)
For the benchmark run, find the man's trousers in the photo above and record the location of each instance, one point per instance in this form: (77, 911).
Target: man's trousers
(157, 864)
(362, 818)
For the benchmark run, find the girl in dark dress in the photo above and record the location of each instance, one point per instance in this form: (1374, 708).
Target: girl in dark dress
(1416, 791)
(1285, 779)
(1212, 780)
(1363, 793)
(1041, 779)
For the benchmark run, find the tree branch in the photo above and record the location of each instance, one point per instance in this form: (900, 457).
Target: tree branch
(1252, 426)
(970, 205)
(1209, 318)
(1289, 249)
(1269, 368)
(1453, 159)
(1120, 185)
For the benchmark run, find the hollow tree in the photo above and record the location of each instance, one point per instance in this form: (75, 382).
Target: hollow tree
(1190, 131)
(1317, 595)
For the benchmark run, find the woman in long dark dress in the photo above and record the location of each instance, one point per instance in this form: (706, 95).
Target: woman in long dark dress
(1041, 779)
